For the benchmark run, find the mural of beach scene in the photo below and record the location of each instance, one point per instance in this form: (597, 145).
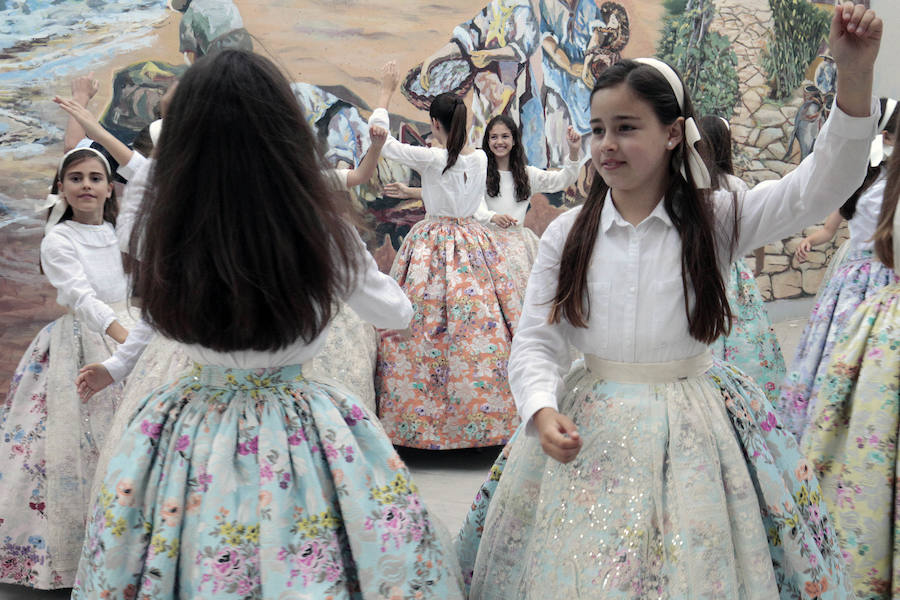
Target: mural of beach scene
(760, 63)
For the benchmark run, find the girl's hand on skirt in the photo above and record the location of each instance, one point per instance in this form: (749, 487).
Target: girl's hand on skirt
(395, 335)
(503, 221)
(559, 436)
(91, 379)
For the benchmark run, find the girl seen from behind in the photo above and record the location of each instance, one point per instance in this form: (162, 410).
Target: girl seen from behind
(243, 478)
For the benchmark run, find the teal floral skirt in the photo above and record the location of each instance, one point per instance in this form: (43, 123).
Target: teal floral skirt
(259, 484)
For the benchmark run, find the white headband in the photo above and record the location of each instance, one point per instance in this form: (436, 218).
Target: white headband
(727, 124)
(695, 163)
(155, 131)
(56, 202)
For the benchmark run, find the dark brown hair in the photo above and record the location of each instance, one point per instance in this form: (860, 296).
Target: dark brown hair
(450, 111)
(517, 160)
(717, 140)
(241, 242)
(110, 207)
(690, 209)
(884, 233)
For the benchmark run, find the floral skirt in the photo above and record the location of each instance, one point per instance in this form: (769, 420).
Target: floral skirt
(852, 442)
(446, 385)
(858, 277)
(49, 444)
(751, 345)
(685, 489)
(260, 484)
(519, 246)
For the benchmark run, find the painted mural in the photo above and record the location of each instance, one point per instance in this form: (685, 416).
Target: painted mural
(753, 61)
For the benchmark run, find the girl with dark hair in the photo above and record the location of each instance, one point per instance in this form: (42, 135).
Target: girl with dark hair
(510, 183)
(243, 478)
(751, 344)
(858, 275)
(654, 469)
(445, 385)
(852, 434)
(49, 439)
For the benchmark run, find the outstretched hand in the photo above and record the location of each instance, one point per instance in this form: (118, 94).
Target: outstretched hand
(85, 87)
(395, 189)
(91, 379)
(85, 118)
(390, 76)
(559, 435)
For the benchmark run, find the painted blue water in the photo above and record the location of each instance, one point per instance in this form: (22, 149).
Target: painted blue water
(94, 30)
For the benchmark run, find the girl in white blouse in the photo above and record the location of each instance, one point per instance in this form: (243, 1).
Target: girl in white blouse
(510, 183)
(445, 385)
(243, 478)
(652, 469)
(49, 439)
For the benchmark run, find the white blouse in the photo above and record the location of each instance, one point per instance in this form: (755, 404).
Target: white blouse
(865, 219)
(456, 193)
(137, 172)
(84, 265)
(637, 308)
(541, 182)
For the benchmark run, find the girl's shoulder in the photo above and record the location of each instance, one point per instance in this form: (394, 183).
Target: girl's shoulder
(562, 224)
(72, 233)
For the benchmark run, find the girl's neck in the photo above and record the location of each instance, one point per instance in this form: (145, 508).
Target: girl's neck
(502, 162)
(87, 218)
(637, 204)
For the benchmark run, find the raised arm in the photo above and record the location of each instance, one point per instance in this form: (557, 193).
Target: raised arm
(94, 130)
(83, 89)
(826, 234)
(369, 163)
(554, 181)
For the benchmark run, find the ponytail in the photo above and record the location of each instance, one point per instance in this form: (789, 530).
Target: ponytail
(450, 111)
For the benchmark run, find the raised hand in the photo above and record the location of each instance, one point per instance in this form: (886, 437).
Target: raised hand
(84, 88)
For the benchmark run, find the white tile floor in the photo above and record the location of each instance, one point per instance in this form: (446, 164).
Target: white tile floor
(448, 480)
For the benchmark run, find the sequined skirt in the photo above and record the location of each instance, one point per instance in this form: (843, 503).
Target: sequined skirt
(685, 487)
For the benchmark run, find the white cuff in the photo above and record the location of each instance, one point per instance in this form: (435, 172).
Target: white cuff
(116, 368)
(534, 403)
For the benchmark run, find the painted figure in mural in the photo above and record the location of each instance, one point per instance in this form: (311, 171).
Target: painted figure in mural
(625, 451)
(49, 439)
(209, 26)
(245, 478)
(498, 43)
(579, 39)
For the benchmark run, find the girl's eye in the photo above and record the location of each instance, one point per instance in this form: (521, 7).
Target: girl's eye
(626, 128)
(597, 130)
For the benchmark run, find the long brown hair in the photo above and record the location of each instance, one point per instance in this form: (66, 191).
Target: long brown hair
(884, 233)
(450, 111)
(690, 209)
(241, 242)
(517, 160)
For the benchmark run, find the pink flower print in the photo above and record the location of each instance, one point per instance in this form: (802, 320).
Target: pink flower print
(193, 503)
(245, 586)
(875, 353)
(182, 444)
(171, 512)
(265, 472)
(125, 492)
(770, 386)
(228, 564)
(338, 476)
(203, 481)
(873, 440)
(330, 451)
(394, 518)
(297, 438)
(251, 447)
(769, 423)
(310, 558)
(151, 430)
(803, 471)
(265, 497)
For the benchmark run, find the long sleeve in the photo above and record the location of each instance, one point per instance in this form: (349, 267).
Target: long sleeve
(553, 181)
(140, 169)
(377, 298)
(483, 215)
(122, 362)
(63, 268)
(415, 157)
(812, 191)
(540, 352)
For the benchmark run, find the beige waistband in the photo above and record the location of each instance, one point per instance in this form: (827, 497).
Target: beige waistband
(665, 372)
(447, 219)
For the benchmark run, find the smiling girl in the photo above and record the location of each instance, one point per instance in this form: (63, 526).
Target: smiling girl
(49, 439)
(653, 469)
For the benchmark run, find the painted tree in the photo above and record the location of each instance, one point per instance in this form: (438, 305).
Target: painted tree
(799, 30)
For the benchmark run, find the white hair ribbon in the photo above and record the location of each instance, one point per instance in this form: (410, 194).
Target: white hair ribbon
(727, 124)
(877, 151)
(57, 202)
(155, 131)
(695, 163)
